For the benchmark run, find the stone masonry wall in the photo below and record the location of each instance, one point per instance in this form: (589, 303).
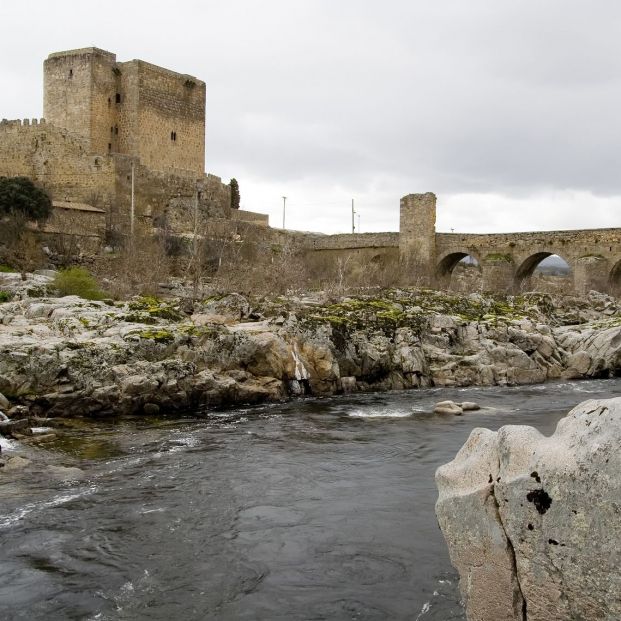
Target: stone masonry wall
(508, 259)
(169, 129)
(417, 227)
(167, 200)
(72, 84)
(133, 108)
(57, 160)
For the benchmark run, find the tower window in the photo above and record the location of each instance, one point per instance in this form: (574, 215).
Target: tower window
(118, 98)
(70, 73)
(109, 146)
(109, 101)
(111, 129)
(116, 130)
(173, 136)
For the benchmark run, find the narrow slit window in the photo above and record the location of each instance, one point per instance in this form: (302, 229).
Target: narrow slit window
(118, 98)
(70, 73)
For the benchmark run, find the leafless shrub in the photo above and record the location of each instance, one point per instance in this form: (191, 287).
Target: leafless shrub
(137, 268)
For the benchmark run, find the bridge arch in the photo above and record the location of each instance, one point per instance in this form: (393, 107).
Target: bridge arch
(450, 260)
(528, 266)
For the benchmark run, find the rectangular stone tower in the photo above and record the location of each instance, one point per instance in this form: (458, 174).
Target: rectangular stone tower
(76, 88)
(131, 108)
(417, 238)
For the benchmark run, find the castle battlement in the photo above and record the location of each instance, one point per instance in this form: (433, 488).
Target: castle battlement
(13, 124)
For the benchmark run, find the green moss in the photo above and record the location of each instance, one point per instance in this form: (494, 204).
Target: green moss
(151, 306)
(7, 269)
(159, 336)
(5, 296)
(496, 257)
(139, 317)
(37, 292)
(199, 331)
(84, 321)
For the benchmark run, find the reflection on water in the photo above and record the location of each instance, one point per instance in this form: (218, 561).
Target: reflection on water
(319, 509)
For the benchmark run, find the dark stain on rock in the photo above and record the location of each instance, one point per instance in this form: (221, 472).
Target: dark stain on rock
(540, 499)
(553, 542)
(536, 476)
(491, 479)
(531, 527)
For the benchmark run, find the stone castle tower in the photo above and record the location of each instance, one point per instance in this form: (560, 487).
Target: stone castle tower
(417, 239)
(132, 108)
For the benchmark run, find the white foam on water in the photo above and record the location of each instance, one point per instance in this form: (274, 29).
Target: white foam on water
(379, 413)
(8, 445)
(424, 610)
(41, 429)
(61, 499)
(158, 510)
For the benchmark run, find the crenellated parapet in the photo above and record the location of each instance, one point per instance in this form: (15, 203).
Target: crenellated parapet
(18, 124)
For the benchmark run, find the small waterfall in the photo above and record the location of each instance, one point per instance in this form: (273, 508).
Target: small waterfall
(300, 385)
(300, 370)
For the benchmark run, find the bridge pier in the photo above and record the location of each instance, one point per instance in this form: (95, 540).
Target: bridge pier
(417, 239)
(498, 274)
(591, 273)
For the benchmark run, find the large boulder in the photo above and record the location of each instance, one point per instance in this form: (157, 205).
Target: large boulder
(533, 524)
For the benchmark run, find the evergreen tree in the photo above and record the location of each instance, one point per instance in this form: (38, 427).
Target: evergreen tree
(234, 193)
(21, 200)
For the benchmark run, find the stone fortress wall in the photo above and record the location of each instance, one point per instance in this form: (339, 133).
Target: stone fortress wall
(107, 122)
(57, 159)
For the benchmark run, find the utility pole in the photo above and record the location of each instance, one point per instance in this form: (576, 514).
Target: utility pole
(353, 215)
(358, 223)
(195, 239)
(133, 205)
(284, 206)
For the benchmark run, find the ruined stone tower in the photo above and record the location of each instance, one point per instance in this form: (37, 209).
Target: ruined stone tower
(417, 239)
(131, 108)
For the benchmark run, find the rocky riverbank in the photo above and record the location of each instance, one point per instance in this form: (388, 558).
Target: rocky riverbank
(533, 522)
(70, 357)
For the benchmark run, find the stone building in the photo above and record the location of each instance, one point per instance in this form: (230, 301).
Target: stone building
(116, 134)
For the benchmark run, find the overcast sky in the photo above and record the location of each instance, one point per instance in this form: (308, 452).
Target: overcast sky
(507, 110)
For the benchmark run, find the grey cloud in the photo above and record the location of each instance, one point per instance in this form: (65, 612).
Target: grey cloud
(504, 98)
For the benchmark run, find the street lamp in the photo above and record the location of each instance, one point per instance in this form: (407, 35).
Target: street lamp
(284, 206)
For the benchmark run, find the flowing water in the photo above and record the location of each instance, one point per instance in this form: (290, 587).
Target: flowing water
(318, 509)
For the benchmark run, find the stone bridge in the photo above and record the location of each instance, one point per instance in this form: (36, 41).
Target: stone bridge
(506, 260)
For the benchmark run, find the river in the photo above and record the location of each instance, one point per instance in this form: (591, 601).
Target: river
(315, 509)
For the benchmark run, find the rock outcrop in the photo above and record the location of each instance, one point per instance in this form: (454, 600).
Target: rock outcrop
(68, 356)
(533, 523)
